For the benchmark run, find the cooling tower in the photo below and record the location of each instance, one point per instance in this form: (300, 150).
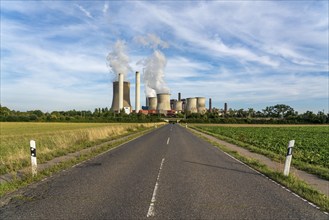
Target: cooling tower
(201, 104)
(152, 103)
(137, 92)
(126, 96)
(163, 102)
(191, 105)
(178, 106)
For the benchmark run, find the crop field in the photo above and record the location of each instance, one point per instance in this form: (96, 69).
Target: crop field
(53, 140)
(310, 153)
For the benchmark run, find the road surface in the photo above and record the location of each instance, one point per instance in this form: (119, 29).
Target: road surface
(168, 173)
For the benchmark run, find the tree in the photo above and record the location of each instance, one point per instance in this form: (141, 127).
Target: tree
(251, 112)
(281, 110)
(268, 111)
(4, 111)
(38, 113)
(241, 113)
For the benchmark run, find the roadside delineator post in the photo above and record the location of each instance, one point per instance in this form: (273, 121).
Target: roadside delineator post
(288, 158)
(33, 157)
(185, 125)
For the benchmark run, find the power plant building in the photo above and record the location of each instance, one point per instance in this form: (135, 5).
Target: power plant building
(178, 106)
(152, 101)
(126, 96)
(161, 104)
(201, 105)
(191, 105)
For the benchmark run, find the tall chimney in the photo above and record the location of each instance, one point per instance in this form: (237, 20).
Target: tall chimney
(147, 101)
(120, 91)
(210, 105)
(225, 108)
(179, 97)
(137, 92)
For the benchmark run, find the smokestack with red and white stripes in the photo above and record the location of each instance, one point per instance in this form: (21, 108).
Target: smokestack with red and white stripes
(137, 92)
(120, 91)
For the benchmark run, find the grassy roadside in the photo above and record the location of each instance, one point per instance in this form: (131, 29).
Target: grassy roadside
(293, 183)
(16, 184)
(54, 140)
(319, 171)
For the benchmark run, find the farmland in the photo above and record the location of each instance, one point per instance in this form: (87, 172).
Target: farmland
(311, 150)
(54, 139)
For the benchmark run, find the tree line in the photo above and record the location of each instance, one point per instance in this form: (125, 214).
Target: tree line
(272, 114)
(277, 114)
(98, 115)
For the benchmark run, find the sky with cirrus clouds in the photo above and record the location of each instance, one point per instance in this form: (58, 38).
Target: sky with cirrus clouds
(250, 54)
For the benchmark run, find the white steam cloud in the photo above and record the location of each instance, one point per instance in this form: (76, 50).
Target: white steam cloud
(118, 60)
(153, 71)
(152, 41)
(154, 74)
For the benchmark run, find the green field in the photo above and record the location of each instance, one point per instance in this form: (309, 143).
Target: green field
(54, 139)
(310, 153)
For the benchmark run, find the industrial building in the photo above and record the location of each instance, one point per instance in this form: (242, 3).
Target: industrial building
(161, 104)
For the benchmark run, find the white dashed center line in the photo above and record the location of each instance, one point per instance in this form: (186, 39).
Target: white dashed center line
(151, 211)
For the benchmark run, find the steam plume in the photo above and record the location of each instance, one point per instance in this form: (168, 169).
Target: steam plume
(153, 72)
(152, 41)
(118, 60)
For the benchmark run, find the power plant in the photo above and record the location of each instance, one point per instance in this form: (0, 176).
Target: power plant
(161, 104)
(121, 96)
(157, 93)
(191, 105)
(152, 103)
(178, 106)
(201, 105)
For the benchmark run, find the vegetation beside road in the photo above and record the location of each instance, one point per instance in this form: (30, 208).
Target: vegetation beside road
(97, 116)
(277, 114)
(310, 153)
(54, 140)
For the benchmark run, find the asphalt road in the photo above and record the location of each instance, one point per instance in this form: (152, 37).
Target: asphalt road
(166, 174)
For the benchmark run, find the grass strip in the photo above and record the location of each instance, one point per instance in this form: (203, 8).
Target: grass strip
(291, 182)
(15, 151)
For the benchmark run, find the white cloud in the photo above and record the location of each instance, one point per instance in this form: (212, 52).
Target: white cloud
(87, 13)
(152, 41)
(242, 52)
(105, 7)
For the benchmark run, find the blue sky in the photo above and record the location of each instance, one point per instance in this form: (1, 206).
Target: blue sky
(250, 54)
